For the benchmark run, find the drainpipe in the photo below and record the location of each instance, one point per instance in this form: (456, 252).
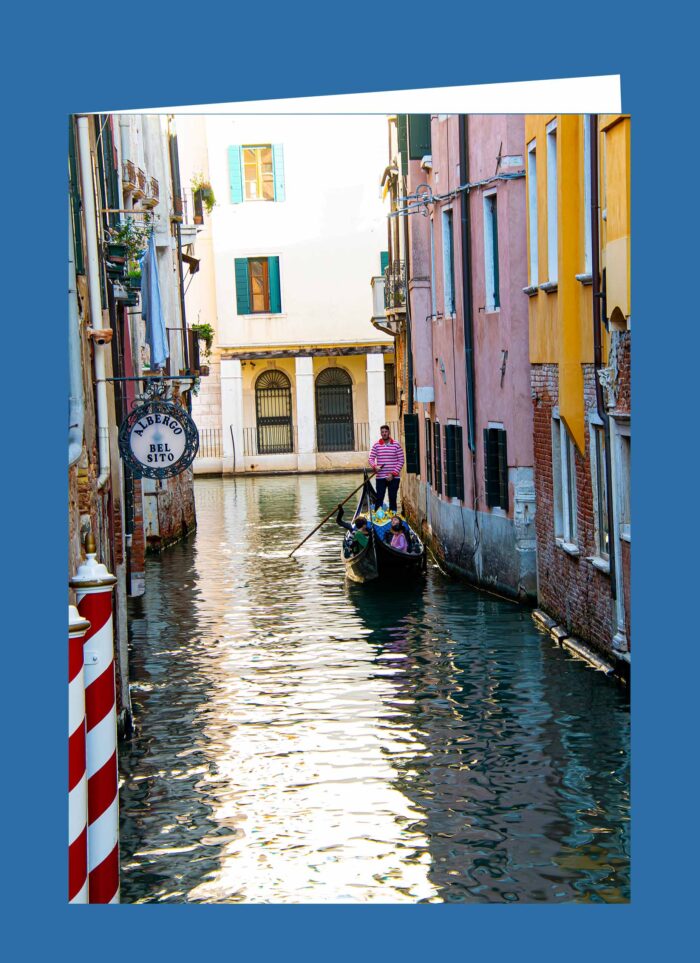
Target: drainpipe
(103, 336)
(409, 334)
(466, 285)
(76, 411)
(597, 349)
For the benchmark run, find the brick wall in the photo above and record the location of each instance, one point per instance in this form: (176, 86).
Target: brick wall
(570, 588)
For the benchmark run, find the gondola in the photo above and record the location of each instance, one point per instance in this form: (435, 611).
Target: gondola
(378, 560)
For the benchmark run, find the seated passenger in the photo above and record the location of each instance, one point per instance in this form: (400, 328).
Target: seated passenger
(360, 530)
(398, 537)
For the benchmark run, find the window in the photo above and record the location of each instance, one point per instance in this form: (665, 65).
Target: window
(625, 451)
(389, 384)
(448, 263)
(428, 452)
(273, 411)
(454, 462)
(552, 207)
(564, 483)
(258, 285)
(418, 136)
(496, 467)
(493, 300)
(412, 440)
(334, 417)
(438, 457)
(587, 212)
(433, 293)
(532, 211)
(600, 491)
(256, 172)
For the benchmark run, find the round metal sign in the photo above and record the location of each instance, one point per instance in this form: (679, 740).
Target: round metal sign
(158, 439)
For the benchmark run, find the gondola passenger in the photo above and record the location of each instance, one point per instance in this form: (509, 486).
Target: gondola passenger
(398, 536)
(360, 530)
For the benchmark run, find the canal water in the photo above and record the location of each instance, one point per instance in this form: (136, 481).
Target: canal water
(302, 739)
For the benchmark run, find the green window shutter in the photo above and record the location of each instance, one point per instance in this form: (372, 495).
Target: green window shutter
(496, 468)
(410, 430)
(273, 268)
(383, 261)
(502, 470)
(418, 136)
(403, 141)
(75, 202)
(278, 168)
(454, 481)
(438, 458)
(242, 289)
(428, 452)
(235, 175)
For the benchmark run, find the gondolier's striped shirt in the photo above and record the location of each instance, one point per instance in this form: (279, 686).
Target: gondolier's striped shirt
(388, 454)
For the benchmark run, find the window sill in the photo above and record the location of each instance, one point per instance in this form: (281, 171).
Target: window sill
(625, 533)
(585, 278)
(568, 547)
(265, 315)
(530, 290)
(602, 564)
(549, 287)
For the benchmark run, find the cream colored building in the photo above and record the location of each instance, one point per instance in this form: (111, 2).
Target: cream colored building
(299, 378)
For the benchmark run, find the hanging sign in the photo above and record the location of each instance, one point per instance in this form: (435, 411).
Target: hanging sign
(158, 439)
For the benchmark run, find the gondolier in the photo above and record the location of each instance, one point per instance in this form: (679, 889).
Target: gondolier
(387, 456)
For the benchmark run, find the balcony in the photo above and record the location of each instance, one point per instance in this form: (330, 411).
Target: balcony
(395, 288)
(379, 319)
(152, 193)
(129, 179)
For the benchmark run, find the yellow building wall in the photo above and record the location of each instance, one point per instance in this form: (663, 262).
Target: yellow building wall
(561, 329)
(615, 229)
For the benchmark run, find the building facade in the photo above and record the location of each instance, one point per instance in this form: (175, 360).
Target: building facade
(123, 184)
(299, 379)
(454, 303)
(578, 287)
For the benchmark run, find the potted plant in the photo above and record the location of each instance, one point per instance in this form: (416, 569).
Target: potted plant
(130, 237)
(203, 196)
(134, 276)
(205, 333)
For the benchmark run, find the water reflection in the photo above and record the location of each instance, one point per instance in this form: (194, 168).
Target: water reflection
(306, 739)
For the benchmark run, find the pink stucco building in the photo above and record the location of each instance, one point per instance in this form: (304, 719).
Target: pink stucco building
(462, 341)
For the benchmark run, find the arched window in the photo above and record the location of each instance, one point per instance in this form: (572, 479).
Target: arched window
(273, 413)
(334, 425)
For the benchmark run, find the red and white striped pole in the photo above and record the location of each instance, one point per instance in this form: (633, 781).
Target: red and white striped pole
(93, 586)
(77, 775)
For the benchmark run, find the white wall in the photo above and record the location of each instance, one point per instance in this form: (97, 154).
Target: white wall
(328, 232)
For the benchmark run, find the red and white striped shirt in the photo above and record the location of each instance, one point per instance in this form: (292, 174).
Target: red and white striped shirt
(388, 454)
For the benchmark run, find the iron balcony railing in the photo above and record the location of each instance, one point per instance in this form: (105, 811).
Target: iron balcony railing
(210, 443)
(395, 286)
(283, 439)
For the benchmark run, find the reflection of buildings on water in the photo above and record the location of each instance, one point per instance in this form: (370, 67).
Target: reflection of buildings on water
(512, 797)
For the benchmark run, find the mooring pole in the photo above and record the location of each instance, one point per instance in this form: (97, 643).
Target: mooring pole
(77, 774)
(93, 586)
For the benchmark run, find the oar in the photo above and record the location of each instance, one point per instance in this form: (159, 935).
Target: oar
(335, 510)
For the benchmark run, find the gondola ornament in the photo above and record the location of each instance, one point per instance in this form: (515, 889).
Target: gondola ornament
(158, 438)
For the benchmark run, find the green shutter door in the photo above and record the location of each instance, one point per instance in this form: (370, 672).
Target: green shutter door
(410, 430)
(454, 482)
(403, 141)
(278, 168)
(438, 458)
(273, 268)
(383, 261)
(418, 136)
(242, 291)
(235, 175)
(503, 470)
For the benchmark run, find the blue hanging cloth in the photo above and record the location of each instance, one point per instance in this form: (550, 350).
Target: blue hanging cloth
(151, 306)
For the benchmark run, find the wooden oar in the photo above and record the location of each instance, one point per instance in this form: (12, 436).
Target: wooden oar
(335, 511)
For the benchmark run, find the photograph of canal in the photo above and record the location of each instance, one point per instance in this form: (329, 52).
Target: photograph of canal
(303, 739)
(349, 507)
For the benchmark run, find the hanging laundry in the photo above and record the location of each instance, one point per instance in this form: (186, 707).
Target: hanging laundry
(151, 306)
